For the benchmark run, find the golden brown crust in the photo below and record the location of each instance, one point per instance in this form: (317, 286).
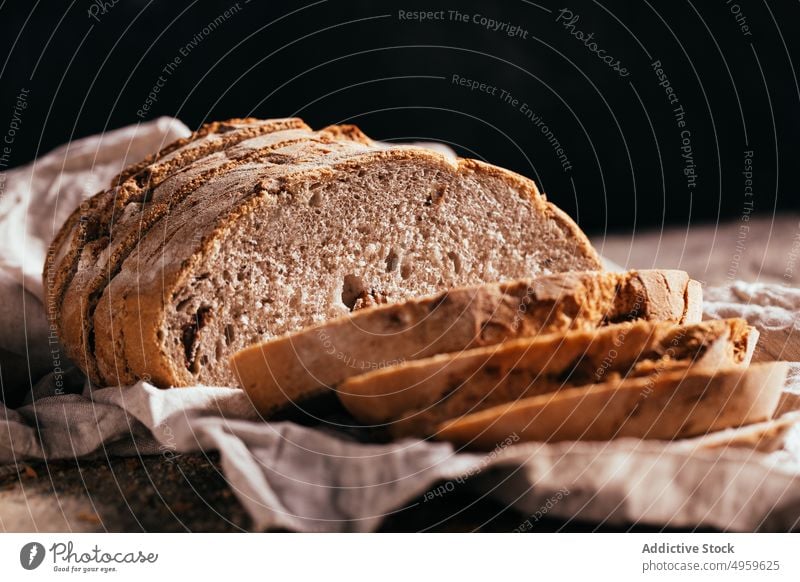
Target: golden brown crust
(346, 132)
(205, 129)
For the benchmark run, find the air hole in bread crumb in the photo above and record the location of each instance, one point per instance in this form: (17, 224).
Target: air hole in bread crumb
(315, 200)
(352, 288)
(454, 256)
(230, 334)
(392, 261)
(142, 178)
(297, 300)
(189, 337)
(406, 269)
(435, 197)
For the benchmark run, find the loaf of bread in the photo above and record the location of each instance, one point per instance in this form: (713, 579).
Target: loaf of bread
(676, 404)
(250, 229)
(306, 363)
(414, 398)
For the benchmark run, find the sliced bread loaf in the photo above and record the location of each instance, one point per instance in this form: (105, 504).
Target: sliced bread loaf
(417, 396)
(305, 363)
(251, 229)
(676, 404)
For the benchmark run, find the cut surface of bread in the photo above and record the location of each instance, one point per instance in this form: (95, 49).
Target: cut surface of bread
(414, 398)
(302, 364)
(250, 229)
(668, 406)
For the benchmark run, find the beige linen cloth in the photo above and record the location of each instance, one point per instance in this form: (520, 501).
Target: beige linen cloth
(317, 479)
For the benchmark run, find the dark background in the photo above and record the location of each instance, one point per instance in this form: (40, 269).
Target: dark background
(335, 61)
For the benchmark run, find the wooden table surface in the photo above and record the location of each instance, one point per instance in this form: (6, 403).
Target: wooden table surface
(150, 494)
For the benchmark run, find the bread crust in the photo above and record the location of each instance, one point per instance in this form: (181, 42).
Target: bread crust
(678, 404)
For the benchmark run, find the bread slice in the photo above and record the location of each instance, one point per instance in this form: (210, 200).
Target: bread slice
(305, 363)
(417, 396)
(251, 229)
(680, 403)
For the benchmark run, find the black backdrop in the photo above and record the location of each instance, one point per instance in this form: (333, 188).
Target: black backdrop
(601, 138)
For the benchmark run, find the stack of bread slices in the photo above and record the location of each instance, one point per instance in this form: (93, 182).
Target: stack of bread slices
(435, 296)
(575, 356)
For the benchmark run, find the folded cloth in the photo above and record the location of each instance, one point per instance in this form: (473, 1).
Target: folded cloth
(321, 479)
(774, 309)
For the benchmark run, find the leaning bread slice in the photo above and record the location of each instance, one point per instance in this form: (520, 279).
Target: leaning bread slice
(673, 405)
(305, 363)
(416, 397)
